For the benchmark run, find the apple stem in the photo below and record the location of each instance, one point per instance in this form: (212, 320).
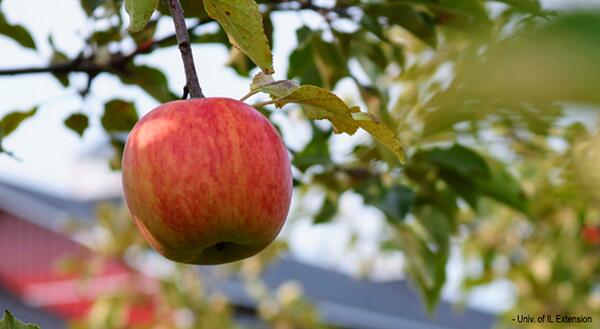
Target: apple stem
(183, 40)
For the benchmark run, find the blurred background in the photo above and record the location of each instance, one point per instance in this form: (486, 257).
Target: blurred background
(494, 215)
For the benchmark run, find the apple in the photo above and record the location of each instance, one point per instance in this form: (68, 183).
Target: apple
(207, 181)
(591, 235)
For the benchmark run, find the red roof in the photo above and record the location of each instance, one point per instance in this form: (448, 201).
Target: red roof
(28, 258)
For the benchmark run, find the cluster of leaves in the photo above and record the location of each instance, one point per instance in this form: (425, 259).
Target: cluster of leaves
(462, 99)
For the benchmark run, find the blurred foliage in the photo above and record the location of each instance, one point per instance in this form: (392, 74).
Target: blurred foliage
(182, 296)
(8, 321)
(479, 95)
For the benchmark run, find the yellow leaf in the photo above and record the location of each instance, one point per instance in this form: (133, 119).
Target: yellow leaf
(319, 103)
(381, 133)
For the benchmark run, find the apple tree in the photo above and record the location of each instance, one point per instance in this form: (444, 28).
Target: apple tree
(470, 112)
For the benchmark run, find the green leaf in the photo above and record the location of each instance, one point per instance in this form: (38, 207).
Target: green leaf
(16, 32)
(397, 201)
(328, 60)
(59, 57)
(78, 122)
(191, 8)
(436, 223)
(426, 266)
(140, 12)
(416, 21)
(394, 201)
(151, 80)
(11, 121)
(8, 321)
(118, 145)
(301, 63)
(90, 5)
(119, 116)
(370, 56)
(472, 176)
(501, 186)
(112, 34)
(316, 152)
(242, 21)
(371, 24)
(328, 209)
(459, 159)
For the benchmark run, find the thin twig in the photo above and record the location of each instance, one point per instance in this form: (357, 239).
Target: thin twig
(87, 64)
(183, 39)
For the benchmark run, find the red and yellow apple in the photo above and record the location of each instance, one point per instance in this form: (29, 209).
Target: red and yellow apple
(207, 181)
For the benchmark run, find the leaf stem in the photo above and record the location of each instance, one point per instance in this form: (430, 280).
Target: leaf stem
(262, 104)
(248, 95)
(183, 40)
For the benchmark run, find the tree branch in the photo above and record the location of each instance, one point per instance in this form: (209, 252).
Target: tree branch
(87, 64)
(119, 60)
(183, 39)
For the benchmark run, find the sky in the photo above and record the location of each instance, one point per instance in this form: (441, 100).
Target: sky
(56, 160)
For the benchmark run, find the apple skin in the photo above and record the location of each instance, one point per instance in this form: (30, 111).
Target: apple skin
(207, 181)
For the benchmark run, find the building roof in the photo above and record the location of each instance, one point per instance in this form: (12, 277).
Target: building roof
(343, 301)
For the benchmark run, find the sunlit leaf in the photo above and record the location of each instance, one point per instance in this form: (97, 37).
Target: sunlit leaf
(243, 23)
(140, 12)
(319, 103)
(380, 132)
